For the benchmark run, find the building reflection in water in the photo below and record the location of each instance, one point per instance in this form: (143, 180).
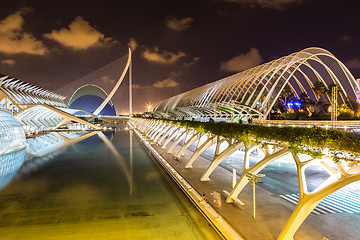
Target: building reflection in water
(120, 160)
(9, 165)
(38, 151)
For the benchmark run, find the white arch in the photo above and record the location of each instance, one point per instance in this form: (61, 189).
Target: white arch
(103, 104)
(263, 84)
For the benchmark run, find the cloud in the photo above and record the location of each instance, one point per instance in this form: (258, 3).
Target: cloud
(164, 57)
(133, 44)
(107, 79)
(271, 4)
(178, 24)
(79, 35)
(167, 83)
(353, 63)
(136, 86)
(10, 62)
(193, 62)
(14, 40)
(243, 61)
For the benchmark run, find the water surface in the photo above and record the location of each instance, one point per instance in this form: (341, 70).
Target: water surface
(97, 189)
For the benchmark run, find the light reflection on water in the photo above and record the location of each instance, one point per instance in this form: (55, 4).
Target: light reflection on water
(105, 186)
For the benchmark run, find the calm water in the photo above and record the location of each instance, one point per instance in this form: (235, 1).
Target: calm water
(96, 189)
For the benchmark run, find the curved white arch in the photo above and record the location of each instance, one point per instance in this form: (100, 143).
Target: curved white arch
(257, 89)
(88, 85)
(103, 104)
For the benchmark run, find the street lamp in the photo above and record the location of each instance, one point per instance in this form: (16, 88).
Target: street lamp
(253, 178)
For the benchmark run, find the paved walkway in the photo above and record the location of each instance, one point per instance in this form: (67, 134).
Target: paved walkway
(272, 211)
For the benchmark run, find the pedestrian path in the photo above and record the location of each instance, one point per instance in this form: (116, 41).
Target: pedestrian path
(338, 202)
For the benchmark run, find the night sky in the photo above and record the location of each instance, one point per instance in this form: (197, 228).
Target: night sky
(178, 45)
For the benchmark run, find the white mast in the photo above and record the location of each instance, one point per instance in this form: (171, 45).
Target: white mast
(130, 90)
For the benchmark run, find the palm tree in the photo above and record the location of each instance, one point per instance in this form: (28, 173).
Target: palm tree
(286, 95)
(286, 92)
(331, 86)
(304, 99)
(319, 88)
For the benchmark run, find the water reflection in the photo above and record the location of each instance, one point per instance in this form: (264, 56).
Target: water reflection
(9, 164)
(53, 142)
(38, 151)
(94, 140)
(83, 193)
(127, 171)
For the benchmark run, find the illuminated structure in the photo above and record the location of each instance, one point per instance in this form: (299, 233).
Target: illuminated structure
(358, 91)
(12, 137)
(89, 98)
(35, 107)
(341, 173)
(253, 92)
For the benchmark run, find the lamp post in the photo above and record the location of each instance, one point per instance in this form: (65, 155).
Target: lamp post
(232, 110)
(253, 178)
(334, 105)
(215, 113)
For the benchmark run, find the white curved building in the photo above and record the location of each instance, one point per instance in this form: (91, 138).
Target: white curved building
(253, 92)
(12, 136)
(35, 107)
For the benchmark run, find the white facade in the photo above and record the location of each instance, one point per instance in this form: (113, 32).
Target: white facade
(12, 136)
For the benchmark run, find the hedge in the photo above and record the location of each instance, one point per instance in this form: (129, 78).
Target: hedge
(302, 140)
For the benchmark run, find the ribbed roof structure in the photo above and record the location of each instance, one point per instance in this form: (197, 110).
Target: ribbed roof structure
(253, 92)
(23, 93)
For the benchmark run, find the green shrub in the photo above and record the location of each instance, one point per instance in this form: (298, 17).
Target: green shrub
(305, 140)
(345, 116)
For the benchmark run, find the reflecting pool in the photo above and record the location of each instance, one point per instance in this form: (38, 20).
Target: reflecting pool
(103, 187)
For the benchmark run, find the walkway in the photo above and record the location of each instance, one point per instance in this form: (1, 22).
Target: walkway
(272, 211)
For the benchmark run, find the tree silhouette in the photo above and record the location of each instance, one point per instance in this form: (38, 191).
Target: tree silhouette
(284, 97)
(319, 88)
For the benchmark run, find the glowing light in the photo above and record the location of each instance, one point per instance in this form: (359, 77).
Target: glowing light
(292, 104)
(149, 107)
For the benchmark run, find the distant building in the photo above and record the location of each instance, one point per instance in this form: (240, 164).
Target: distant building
(89, 98)
(34, 107)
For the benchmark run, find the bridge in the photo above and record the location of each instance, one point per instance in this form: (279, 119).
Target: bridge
(253, 94)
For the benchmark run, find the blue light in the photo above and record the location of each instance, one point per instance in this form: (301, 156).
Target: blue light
(292, 104)
(298, 104)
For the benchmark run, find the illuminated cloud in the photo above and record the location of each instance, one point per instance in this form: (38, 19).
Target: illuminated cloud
(79, 35)
(164, 57)
(242, 62)
(178, 24)
(271, 4)
(133, 44)
(167, 83)
(107, 79)
(353, 63)
(10, 62)
(193, 62)
(14, 40)
(136, 86)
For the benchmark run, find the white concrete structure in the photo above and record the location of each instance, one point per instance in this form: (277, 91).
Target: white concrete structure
(35, 107)
(341, 173)
(253, 92)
